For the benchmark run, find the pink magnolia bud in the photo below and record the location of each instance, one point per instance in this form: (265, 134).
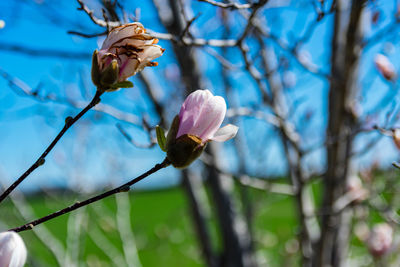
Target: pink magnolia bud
(380, 239)
(130, 48)
(199, 122)
(202, 114)
(385, 67)
(12, 250)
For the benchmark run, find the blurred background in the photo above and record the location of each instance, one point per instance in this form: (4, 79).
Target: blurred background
(312, 84)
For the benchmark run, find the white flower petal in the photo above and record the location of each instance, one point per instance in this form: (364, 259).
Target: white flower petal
(225, 133)
(12, 250)
(132, 47)
(122, 32)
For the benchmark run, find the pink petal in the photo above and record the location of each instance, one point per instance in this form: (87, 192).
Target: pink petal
(127, 67)
(384, 66)
(225, 133)
(212, 115)
(201, 114)
(191, 110)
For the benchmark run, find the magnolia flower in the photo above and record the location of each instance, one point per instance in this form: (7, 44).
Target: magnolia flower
(380, 239)
(385, 67)
(199, 122)
(202, 114)
(126, 51)
(12, 250)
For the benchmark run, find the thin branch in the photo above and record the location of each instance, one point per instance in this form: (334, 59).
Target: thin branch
(255, 74)
(21, 88)
(123, 188)
(69, 121)
(396, 165)
(228, 5)
(130, 139)
(221, 59)
(250, 22)
(254, 182)
(45, 52)
(85, 35)
(187, 28)
(260, 28)
(266, 185)
(380, 35)
(255, 114)
(96, 20)
(188, 41)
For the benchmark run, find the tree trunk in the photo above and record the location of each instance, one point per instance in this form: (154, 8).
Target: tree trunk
(346, 49)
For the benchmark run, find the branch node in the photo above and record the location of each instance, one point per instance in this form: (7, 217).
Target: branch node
(40, 162)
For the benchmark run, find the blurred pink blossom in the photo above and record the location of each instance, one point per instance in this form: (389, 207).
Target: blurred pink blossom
(385, 67)
(396, 137)
(355, 189)
(202, 114)
(12, 250)
(380, 239)
(131, 47)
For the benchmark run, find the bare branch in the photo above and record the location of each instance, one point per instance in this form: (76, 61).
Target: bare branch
(228, 5)
(188, 41)
(130, 139)
(88, 35)
(21, 88)
(45, 52)
(123, 188)
(97, 21)
(69, 121)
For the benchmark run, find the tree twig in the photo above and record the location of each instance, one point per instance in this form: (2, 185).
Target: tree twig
(69, 121)
(123, 188)
(228, 5)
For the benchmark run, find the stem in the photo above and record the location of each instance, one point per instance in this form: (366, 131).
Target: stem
(69, 121)
(123, 188)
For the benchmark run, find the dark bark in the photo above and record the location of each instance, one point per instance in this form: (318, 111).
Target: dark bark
(346, 48)
(234, 230)
(192, 186)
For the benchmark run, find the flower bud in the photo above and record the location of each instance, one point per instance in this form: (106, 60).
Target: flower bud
(385, 67)
(126, 51)
(185, 150)
(199, 122)
(380, 239)
(12, 250)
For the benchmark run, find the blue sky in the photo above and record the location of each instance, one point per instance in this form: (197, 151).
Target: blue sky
(27, 126)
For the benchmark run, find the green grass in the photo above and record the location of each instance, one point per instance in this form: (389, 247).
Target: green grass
(164, 235)
(161, 224)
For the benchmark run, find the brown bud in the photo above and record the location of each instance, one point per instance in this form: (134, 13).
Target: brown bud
(184, 150)
(95, 69)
